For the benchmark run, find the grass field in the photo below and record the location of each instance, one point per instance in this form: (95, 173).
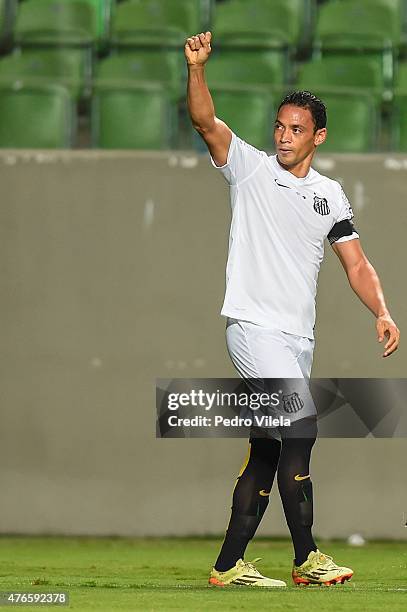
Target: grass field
(171, 574)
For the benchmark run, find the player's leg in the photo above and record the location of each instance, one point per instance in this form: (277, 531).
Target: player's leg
(250, 500)
(295, 486)
(272, 354)
(294, 481)
(253, 486)
(258, 354)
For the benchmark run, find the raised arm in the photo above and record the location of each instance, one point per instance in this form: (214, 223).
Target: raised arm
(215, 132)
(366, 284)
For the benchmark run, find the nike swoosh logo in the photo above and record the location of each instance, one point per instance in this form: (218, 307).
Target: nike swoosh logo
(298, 477)
(288, 187)
(281, 185)
(264, 493)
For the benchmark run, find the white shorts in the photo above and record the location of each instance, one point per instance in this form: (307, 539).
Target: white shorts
(260, 353)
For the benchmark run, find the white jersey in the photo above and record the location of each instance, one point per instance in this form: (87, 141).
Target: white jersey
(276, 244)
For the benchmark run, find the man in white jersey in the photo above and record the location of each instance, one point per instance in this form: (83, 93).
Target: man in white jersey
(282, 211)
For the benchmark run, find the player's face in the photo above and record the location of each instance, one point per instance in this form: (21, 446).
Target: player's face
(295, 137)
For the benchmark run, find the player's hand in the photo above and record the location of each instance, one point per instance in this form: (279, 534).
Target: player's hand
(198, 49)
(386, 328)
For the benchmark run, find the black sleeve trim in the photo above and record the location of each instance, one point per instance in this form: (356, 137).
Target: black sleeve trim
(341, 229)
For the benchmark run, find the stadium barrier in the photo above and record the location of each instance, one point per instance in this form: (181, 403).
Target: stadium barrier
(113, 276)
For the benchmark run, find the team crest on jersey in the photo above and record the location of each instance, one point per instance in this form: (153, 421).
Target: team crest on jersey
(292, 402)
(321, 205)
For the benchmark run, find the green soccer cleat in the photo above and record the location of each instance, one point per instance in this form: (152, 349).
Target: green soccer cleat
(320, 569)
(243, 574)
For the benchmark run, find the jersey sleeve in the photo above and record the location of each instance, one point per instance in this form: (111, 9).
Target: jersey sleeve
(343, 228)
(242, 161)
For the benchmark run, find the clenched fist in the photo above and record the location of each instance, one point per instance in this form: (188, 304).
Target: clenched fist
(198, 49)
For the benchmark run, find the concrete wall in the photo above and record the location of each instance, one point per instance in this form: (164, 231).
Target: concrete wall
(112, 274)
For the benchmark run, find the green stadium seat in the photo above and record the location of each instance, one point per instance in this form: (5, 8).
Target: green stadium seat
(370, 27)
(272, 29)
(101, 17)
(353, 121)
(342, 72)
(141, 116)
(359, 24)
(261, 23)
(129, 67)
(56, 22)
(253, 67)
(156, 22)
(59, 23)
(46, 66)
(34, 116)
(249, 113)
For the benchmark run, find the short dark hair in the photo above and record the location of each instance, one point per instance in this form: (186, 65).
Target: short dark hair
(305, 99)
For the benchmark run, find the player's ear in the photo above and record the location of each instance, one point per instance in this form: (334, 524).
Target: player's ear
(320, 136)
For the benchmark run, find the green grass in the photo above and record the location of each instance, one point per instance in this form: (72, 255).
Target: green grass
(171, 574)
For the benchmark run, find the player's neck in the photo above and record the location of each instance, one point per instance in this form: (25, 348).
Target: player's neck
(299, 170)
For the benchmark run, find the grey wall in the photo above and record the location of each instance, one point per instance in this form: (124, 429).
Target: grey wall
(112, 274)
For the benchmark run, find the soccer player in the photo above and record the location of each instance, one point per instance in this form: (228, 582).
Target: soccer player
(282, 210)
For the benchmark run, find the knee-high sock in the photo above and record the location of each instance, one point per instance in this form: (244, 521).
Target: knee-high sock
(250, 499)
(295, 486)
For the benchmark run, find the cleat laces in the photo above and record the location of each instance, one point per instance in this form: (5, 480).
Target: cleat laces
(250, 565)
(327, 561)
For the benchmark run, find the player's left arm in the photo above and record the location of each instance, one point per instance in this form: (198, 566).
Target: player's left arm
(366, 284)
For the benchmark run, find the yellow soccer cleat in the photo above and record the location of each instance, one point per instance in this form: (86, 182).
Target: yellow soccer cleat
(320, 569)
(243, 574)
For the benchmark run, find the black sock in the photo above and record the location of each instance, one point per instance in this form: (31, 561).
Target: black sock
(250, 500)
(294, 483)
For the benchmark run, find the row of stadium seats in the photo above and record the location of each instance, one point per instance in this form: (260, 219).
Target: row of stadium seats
(146, 117)
(353, 58)
(71, 68)
(372, 24)
(93, 22)
(51, 42)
